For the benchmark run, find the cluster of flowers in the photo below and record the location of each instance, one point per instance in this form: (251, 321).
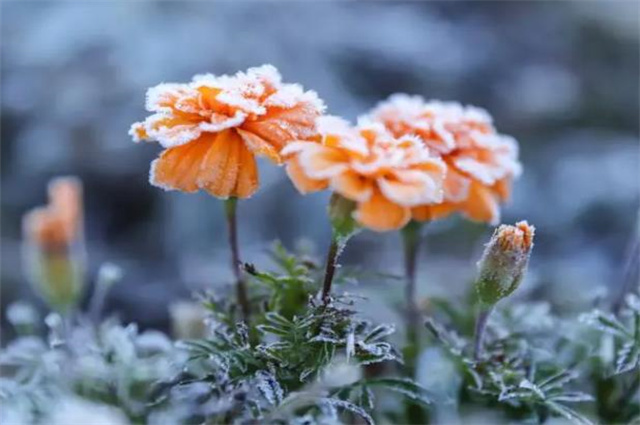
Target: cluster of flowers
(407, 158)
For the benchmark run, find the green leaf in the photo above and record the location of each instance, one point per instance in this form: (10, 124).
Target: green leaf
(568, 413)
(403, 386)
(351, 407)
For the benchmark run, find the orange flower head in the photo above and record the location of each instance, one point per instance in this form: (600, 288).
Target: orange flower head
(515, 238)
(384, 175)
(59, 224)
(213, 127)
(481, 163)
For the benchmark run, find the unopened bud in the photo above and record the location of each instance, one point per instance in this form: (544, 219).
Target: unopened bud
(54, 245)
(504, 262)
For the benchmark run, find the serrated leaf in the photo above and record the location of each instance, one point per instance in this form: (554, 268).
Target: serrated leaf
(351, 407)
(628, 357)
(379, 332)
(558, 380)
(568, 413)
(403, 386)
(605, 322)
(269, 387)
(572, 397)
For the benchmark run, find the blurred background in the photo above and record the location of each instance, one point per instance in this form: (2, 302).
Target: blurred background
(561, 77)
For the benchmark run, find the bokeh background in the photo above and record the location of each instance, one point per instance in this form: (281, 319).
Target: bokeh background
(562, 77)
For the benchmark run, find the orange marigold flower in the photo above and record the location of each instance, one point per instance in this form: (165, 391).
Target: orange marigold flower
(212, 128)
(54, 255)
(481, 163)
(59, 224)
(384, 175)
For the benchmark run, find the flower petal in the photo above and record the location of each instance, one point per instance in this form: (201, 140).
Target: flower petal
(178, 168)
(280, 126)
(352, 186)
(481, 205)
(171, 131)
(433, 212)
(502, 188)
(410, 188)
(456, 186)
(248, 179)
(259, 146)
(300, 180)
(321, 162)
(380, 214)
(221, 165)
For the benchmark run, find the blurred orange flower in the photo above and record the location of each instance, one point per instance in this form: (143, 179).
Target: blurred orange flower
(481, 163)
(385, 176)
(59, 224)
(53, 254)
(212, 128)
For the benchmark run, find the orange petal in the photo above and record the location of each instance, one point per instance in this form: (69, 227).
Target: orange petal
(248, 175)
(220, 168)
(456, 186)
(178, 168)
(280, 126)
(138, 132)
(380, 214)
(259, 146)
(503, 189)
(352, 186)
(410, 188)
(433, 212)
(322, 162)
(300, 180)
(481, 205)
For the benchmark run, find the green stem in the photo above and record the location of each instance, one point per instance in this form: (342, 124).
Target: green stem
(330, 268)
(411, 244)
(236, 264)
(481, 324)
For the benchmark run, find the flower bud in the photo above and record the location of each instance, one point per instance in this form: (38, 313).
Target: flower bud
(54, 250)
(504, 262)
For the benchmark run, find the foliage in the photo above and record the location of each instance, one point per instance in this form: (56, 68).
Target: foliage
(301, 361)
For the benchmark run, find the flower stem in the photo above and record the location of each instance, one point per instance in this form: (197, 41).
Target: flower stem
(330, 269)
(411, 244)
(481, 324)
(236, 265)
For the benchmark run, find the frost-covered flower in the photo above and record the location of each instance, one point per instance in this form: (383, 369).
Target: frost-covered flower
(481, 163)
(504, 262)
(384, 175)
(54, 244)
(58, 224)
(212, 128)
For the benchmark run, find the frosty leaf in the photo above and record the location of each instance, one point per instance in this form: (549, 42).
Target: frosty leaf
(272, 330)
(558, 380)
(449, 339)
(572, 397)
(569, 413)
(605, 322)
(628, 357)
(379, 332)
(526, 384)
(366, 398)
(269, 387)
(403, 386)
(351, 407)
